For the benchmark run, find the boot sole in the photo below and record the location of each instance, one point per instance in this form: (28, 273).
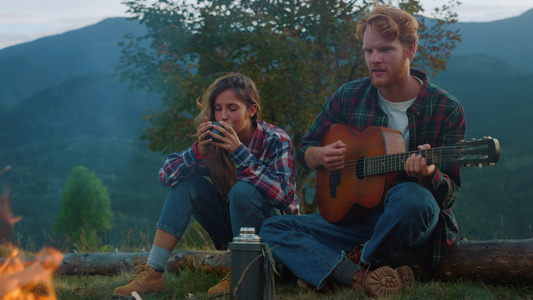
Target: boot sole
(384, 282)
(407, 275)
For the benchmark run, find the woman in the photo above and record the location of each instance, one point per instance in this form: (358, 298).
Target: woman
(237, 179)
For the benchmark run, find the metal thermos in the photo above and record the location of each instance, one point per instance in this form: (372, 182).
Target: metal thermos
(247, 266)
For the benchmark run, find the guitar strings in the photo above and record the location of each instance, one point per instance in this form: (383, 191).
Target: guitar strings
(396, 162)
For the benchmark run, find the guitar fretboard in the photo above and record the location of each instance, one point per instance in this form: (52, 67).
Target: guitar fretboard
(396, 162)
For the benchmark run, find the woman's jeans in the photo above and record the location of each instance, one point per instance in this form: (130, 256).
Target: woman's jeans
(311, 247)
(197, 196)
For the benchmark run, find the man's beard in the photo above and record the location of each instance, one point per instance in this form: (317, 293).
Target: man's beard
(392, 77)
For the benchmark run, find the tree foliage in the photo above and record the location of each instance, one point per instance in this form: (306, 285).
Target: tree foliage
(85, 209)
(297, 52)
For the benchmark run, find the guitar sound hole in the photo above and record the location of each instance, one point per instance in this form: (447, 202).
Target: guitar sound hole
(360, 168)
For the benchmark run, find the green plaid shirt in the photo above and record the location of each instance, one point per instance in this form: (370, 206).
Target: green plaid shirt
(435, 118)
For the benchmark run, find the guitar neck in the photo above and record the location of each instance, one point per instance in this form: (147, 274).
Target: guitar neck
(396, 162)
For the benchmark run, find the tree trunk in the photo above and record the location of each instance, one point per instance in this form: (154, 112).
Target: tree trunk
(500, 261)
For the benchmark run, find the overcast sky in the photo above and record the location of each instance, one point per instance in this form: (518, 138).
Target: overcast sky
(26, 20)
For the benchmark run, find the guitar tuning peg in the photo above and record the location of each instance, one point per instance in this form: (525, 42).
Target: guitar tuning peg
(468, 165)
(479, 166)
(492, 164)
(487, 138)
(473, 139)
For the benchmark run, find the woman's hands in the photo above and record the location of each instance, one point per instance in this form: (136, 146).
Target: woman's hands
(230, 141)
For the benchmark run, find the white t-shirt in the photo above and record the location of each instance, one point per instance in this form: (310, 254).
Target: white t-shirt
(397, 115)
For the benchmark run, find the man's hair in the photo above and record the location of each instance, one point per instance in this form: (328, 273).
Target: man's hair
(390, 22)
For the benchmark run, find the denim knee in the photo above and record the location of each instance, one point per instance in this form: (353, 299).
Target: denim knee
(418, 207)
(412, 198)
(241, 193)
(184, 199)
(248, 207)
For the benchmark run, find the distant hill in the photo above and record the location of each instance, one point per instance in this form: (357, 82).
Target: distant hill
(60, 107)
(508, 39)
(28, 68)
(495, 201)
(91, 121)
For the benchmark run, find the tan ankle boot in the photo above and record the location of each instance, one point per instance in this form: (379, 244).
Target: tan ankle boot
(145, 281)
(222, 288)
(407, 275)
(382, 282)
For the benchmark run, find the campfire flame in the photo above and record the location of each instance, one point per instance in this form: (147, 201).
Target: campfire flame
(29, 279)
(23, 278)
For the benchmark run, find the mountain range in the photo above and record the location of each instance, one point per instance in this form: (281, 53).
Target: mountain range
(61, 106)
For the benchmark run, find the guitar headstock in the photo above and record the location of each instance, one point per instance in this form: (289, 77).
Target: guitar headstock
(478, 152)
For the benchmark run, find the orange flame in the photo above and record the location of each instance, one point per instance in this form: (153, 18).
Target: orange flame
(27, 279)
(5, 210)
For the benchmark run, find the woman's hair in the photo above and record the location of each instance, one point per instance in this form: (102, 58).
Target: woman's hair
(390, 22)
(221, 169)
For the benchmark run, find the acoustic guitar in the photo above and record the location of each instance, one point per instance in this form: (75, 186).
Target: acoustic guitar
(374, 157)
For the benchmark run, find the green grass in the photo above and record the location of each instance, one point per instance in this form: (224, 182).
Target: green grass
(178, 286)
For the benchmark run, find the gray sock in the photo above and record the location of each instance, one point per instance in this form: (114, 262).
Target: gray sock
(344, 271)
(158, 258)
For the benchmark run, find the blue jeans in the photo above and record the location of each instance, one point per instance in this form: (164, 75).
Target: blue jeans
(311, 247)
(196, 196)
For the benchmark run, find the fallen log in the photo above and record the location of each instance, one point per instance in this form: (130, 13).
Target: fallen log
(494, 261)
(499, 261)
(113, 263)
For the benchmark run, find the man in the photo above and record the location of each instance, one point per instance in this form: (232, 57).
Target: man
(416, 211)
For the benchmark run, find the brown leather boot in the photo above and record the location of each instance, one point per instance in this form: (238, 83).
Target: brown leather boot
(222, 288)
(407, 275)
(355, 254)
(145, 281)
(382, 282)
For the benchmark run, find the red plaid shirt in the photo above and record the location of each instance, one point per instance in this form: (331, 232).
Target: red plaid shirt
(267, 164)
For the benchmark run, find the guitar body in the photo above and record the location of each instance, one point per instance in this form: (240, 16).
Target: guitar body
(346, 195)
